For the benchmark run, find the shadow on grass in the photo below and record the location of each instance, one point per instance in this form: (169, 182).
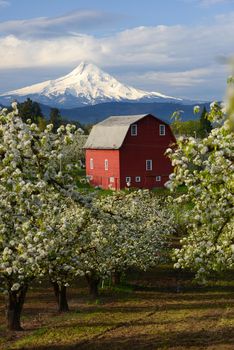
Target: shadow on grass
(197, 300)
(149, 293)
(142, 322)
(137, 309)
(182, 340)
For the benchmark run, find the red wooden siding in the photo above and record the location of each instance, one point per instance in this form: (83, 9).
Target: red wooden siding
(130, 159)
(148, 144)
(100, 176)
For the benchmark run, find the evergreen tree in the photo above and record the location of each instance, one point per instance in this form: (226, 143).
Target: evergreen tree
(55, 118)
(30, 110)
(42, 123)
(205, 124)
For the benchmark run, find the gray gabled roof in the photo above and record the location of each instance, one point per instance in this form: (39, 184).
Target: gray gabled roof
(111, 132)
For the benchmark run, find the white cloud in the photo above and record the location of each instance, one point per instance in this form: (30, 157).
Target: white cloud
(200, 83)
(177, 56)
(187, 78)
(4, 3)
(55, 26)
(161, 46)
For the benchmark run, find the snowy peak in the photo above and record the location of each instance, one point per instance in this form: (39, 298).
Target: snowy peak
(85, 85)
(84, 68)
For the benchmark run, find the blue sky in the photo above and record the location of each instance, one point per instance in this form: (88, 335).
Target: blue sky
(179, 47)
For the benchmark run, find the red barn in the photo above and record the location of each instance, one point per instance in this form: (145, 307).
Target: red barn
(124, 151)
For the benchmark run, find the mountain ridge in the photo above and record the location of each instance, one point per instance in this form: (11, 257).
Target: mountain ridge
(83, 86)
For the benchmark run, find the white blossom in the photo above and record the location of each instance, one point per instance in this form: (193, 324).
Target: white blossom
(15, 287)
(206, 168)
(196, 109)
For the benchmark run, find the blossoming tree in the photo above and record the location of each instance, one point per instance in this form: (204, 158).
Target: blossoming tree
(206, 168)
(30, 178)
(61, 262)
(123, 231)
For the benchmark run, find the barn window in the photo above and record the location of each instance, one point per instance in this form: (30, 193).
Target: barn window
(134, 130)
(91, 163)
(128, 179)
(106, 165)
(149, 164)
(138, 179)
(162, 130)
(158, 178)
(112, 179)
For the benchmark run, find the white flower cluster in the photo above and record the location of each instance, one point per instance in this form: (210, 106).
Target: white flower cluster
(31, 186)
(111, 234)
(125, 230)
(206, 168)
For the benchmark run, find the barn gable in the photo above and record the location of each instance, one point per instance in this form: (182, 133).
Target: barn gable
(110, 133)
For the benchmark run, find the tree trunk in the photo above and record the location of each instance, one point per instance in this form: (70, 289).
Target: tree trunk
(115, 278)
(93, 282)
(15, 302)
(60, 293)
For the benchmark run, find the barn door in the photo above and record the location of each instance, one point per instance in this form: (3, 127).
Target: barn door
(112, 183)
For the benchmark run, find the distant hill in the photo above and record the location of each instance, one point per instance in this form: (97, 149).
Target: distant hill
(96, 113)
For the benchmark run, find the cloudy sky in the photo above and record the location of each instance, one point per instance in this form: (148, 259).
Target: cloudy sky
(178, 47)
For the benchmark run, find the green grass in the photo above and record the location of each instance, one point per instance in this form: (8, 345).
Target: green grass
(80, 175)
(65, 335)
(146, 313)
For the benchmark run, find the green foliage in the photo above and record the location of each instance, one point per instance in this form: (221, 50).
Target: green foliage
(55, 118)
(87, 128)
(31, 110)
(205, 124)
(187, 128)
(194, 128)
(42, 123)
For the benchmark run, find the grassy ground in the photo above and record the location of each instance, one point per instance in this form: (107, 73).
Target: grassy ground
(155, 311)
(80, 175)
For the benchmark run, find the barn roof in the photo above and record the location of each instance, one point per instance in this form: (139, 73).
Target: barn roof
(111, 132)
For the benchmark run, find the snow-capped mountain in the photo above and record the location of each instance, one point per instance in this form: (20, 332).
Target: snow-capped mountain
(85, 85)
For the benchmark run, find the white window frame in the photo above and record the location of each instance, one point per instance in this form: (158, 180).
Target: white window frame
(146, 165)
(106, 164)
(128, 179)
(91, 164)
(112, 179)
(158, 178)
(162, 133)
(138, 179)
(134, 127)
